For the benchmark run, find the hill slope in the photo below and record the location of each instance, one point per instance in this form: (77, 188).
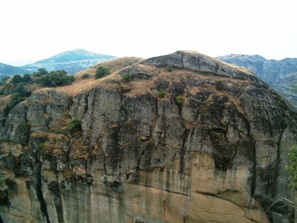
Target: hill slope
(7, 70)
(279, 74)
(70, 61)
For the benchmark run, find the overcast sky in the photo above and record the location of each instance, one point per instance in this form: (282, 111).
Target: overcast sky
(38, 29)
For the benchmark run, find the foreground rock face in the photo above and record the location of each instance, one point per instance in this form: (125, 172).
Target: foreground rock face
(217, 154)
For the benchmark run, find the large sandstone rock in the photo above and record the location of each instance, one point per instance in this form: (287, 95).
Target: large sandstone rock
(219, 156)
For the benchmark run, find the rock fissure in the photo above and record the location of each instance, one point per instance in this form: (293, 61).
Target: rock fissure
(182, 60)
(56, 193)
(165, 190)
(253, 180)
(224, 199)
(39, 191)
(183, 151)
(278, 160)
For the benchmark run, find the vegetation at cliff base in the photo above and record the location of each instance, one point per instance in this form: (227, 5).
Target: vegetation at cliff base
(292, 166)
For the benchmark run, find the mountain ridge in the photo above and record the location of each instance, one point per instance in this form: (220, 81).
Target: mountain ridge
(71, 61)
(8, 70)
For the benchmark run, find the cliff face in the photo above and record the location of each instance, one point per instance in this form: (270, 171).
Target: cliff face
(216, 155)
(279, 74)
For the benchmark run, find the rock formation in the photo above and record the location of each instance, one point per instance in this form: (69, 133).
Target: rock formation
(217, 154)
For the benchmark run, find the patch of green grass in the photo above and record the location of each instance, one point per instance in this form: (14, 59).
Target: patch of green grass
(74, 126)
(219, 85)
(292, 166)
(161, 93)
(179, 100)
(169, 67)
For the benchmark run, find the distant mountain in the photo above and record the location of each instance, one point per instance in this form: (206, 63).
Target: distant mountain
(70, 61)
(7, 70)
(18, 63)
(281, 75)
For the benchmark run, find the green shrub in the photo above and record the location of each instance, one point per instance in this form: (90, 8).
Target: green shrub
(161, 94)
(292, 166)
(27, 78)
(41, 72)
(101, 72)
(74, 126)
(179, 100)
(4, 80)
(85, 76)
(20, 94)
(169, 67)
(15, 99)
(219, 85)
(22, 91)
(16, 79)
(56, 78)
(127, 78)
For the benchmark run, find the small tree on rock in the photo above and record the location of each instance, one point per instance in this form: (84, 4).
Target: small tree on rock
(16, 79)
(101, 72)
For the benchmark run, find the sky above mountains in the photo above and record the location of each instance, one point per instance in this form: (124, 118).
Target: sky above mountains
(32, 30)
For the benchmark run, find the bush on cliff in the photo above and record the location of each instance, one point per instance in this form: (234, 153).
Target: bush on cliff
(85, 76)
(127, 78)
(179, 100)
(40, 72)
(101, 72)
(161, 93)
(56, 78)
(15, 99)
(16, 79)
(74, 126)
(20, 94)
(219, 85)
(169, 67)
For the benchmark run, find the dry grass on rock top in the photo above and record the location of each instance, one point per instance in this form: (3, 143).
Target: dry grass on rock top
(4, 101)
(81, 84)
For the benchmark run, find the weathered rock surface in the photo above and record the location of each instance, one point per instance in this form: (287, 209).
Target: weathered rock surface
(219, 156)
